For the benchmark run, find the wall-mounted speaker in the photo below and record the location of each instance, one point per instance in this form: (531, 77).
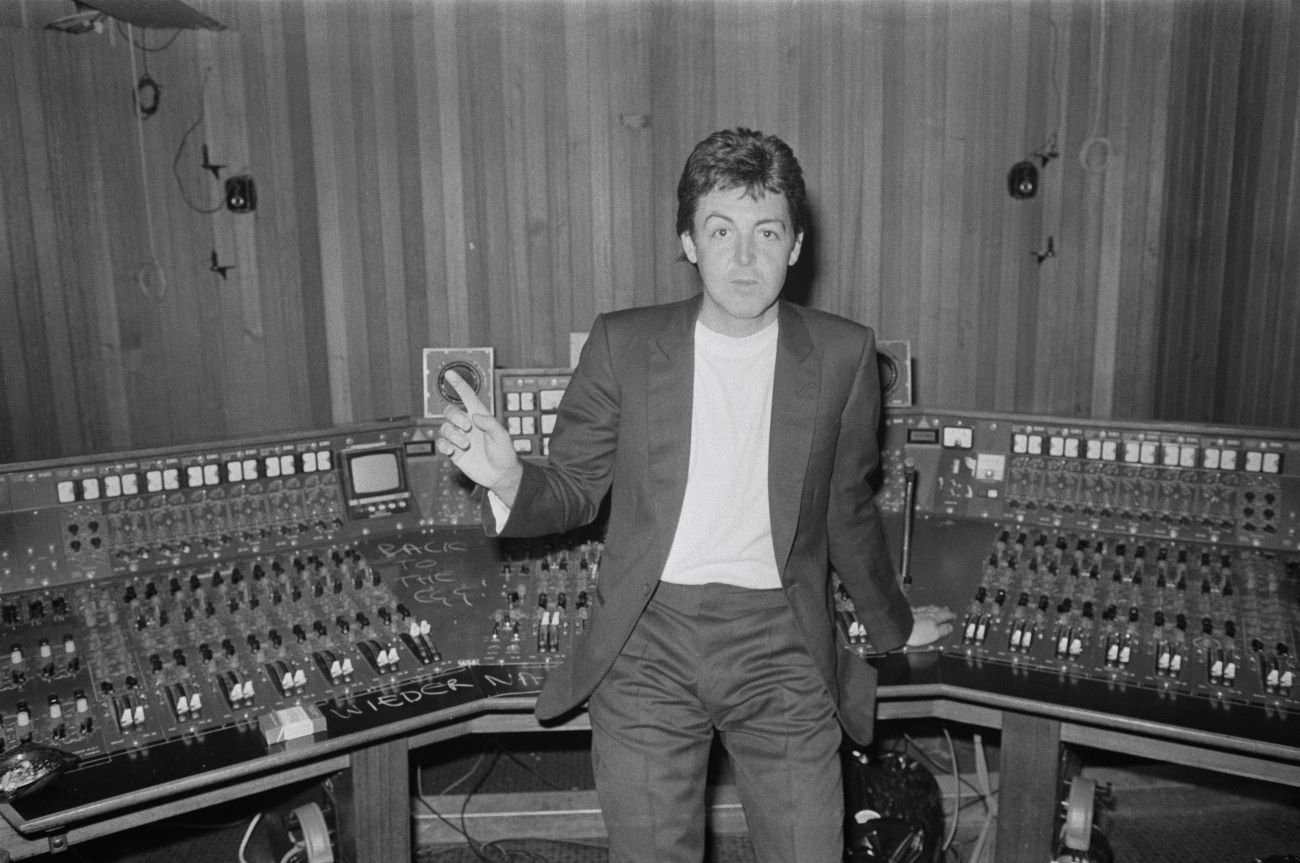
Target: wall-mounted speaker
(894, 359)
(474, 366)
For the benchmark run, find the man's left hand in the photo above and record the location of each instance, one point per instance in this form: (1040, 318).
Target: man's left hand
(930, 623)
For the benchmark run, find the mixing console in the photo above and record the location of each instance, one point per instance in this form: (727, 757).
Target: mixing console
(1158, 559)
(169, 612)
(149, 600)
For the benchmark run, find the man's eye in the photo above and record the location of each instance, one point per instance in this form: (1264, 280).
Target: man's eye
(720, 232)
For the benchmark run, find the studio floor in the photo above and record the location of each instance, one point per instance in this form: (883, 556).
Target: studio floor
(1152, 813)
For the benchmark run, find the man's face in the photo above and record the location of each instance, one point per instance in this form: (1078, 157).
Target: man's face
(743, 247)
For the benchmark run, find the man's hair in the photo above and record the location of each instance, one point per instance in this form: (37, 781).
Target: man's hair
(741, 159)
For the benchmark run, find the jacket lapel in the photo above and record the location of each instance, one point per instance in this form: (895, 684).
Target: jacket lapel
(794, 406)
(671, 390)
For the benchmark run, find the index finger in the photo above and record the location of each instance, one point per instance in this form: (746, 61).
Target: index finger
(469, 398)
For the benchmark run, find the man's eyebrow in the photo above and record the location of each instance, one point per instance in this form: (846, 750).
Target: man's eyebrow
(774, 220)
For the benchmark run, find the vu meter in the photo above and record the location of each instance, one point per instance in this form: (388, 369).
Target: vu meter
(473, 365)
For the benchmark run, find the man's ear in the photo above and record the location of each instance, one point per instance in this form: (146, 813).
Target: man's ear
(688, 248)
(798, 246)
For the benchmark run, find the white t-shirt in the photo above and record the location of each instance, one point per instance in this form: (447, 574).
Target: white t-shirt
(724, 534)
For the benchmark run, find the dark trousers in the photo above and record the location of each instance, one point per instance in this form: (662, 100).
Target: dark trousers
(731, 659)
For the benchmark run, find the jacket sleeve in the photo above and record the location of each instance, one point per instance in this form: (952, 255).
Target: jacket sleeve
(566, 491)
(858, 550)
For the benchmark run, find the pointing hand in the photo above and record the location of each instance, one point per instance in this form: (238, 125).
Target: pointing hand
(479, 445)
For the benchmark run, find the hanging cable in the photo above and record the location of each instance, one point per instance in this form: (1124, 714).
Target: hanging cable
(150, 278)
(180, 150)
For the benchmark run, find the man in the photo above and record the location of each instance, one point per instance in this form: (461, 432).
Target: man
(735, 433)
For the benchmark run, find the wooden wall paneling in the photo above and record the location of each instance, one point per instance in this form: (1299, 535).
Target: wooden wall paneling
(984, 193)
(811, 136)
(1114, 65)
(631, 198)
(930, 202)
(173, 325)
(333, 183)
(1084, 216)
(441, 171)
(1243, 327)
(1213, 228)
(538, 66)
(409, 306)
(782, 89)
(1058, 276)
(15, 243)
(986, 204)
(683, 104)
(1085, 209)
(733, 36)
(382, 147)
(21, 334)
(904, 129)
(1260, 170)
(304, 279)
(1144, 211)
(897, 302)
(580, 169)
(1287, 220)
(1032, 100)
(244, 374)
(1211, 351)
(958, 292)
(521, 135)
(556, 204)
(65, 296)
(596, 23)
(1280, 406)
(1286, 223)
(272, 156)
(863, 150)
(490, 294)
(367, 146)
(1172, 385)
(14, 404)
(836, 171)
(106, 397)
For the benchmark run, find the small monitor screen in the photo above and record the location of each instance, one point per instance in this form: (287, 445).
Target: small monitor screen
(375, 473)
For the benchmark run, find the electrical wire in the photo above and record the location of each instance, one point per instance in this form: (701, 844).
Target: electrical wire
(180, 149)
(248, 834)
(498, 850)
(150, 270)
(292, 853)
(163, 47)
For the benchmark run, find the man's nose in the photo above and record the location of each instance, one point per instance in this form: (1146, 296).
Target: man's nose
(744, 250)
